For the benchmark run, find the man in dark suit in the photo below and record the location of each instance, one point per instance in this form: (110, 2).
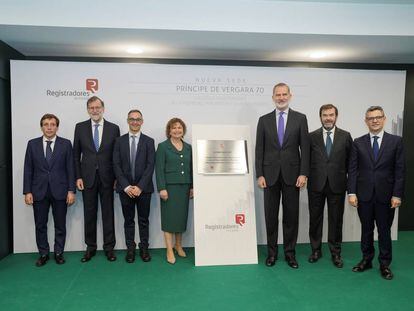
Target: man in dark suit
(134, 158)
(330, 151)
(282, 167)
(49, 179)
(376, 187)
(93, 146)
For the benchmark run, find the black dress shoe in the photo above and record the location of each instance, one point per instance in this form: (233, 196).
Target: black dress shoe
(362, 266)
(386, 272)
(291, 261)
(270, 261)
(130, 256)
(60, 260)
(88, 255)
(110, 255)
(144, 254)
(337, 261)
(314, 257)
(42, 260)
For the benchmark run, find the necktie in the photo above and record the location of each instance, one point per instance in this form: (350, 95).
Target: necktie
(281, 128)
(48, 151)
(328, 143)
(96, 136)
(375, 147)
(133, 155)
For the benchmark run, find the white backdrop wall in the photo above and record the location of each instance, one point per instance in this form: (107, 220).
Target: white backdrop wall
(196, 93)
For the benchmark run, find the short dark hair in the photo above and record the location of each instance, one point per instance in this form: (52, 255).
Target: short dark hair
(49, 116)
(326, 107)
(281, 84)
(170, 125)
(374, 108)
(92, 99)
(134, 110)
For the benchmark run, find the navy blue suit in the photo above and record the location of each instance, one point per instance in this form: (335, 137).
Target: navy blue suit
(49, 183)
(375, 183)
(144, 169)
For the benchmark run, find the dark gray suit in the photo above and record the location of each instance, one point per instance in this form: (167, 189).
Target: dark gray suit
(328, 181)
(96, 170)
(281, 166)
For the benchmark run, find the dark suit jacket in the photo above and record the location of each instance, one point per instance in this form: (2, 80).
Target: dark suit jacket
(87, 160)
(38, 175)
(384, 176)
(144, 163)
(333, 168)
(292, 159)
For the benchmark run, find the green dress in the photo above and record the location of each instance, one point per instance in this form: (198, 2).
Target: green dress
(174, 173)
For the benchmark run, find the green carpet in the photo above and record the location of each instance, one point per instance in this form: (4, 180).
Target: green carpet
(157, 285)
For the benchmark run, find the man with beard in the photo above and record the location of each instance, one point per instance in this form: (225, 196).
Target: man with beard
(330, 151)
(93, 146)
(282, 167)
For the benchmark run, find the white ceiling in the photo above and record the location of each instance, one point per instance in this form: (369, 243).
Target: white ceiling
(380, 31)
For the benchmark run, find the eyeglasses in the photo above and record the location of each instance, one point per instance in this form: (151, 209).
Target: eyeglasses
(134, 120)
(378, 118)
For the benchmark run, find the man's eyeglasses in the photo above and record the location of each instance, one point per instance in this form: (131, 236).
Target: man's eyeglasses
(134, 120)
(378, 118)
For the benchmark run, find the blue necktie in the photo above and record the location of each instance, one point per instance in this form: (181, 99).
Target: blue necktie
(375, 147)
(133, 155)
(328, 143)
(281, 128)
(48, 151)
(96, 136)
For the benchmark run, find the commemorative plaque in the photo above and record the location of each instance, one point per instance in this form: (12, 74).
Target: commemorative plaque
(222, 157)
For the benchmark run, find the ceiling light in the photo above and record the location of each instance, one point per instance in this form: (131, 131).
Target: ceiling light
(134, 50)
(318, 54)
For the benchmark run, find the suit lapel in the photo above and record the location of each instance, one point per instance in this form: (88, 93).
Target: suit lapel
(56, 150)
(41, 152)
(273, 127)
(384, 142)
(336, 141)
(289, 125)
(321, 143)
(89, 134)
(367, 142)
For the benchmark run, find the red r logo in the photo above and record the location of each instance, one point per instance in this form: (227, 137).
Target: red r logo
(240, 219)
(92, 85)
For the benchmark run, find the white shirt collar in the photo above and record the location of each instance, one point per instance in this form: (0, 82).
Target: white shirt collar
(137, 135)
(100, 122)
(332, 130)
(45, 139)
(380, 134)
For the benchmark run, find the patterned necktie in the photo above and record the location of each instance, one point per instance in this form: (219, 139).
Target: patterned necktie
(96, 136)
(133, 155)
(328, 143)
(281, 128)
(375, 147)
(48, 151)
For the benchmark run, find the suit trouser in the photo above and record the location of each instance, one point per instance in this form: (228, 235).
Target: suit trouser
(381, 214)
(142, 203)
(336, 202)
(41, 215)
(90, 210)
(290, 205)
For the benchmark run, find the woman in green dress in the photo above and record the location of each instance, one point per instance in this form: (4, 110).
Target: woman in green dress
(174, 174)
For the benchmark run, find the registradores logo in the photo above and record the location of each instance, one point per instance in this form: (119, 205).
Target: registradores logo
(239, 219)
(92, 85)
